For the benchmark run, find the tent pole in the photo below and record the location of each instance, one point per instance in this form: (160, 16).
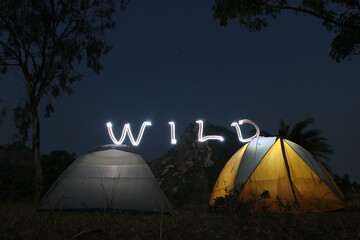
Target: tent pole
(289, 175)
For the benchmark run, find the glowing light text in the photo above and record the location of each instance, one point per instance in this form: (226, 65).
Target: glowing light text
(201, 138)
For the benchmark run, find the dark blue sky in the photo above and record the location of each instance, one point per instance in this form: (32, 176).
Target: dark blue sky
(172, 61)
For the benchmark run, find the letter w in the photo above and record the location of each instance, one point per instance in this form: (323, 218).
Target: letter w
(127, 131)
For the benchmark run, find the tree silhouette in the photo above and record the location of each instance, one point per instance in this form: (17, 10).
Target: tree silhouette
(311, 139)
(342, 17)
(42, 42)
(2, 112)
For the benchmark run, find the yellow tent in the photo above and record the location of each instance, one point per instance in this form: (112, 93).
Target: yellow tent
(278, 174)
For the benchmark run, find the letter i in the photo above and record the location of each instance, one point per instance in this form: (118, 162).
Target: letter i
(172, 130)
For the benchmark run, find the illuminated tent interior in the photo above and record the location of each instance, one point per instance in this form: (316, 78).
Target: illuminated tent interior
(278, 175)
(108, 178)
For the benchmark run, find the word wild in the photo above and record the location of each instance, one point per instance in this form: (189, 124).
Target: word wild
(201, 138)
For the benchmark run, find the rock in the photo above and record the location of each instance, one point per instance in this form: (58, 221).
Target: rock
(165, 171)
(175, 189)
(192, 167)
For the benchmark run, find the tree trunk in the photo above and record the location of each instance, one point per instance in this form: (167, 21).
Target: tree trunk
(39, 179)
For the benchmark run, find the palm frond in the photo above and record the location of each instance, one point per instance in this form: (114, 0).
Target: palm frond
(311, 139)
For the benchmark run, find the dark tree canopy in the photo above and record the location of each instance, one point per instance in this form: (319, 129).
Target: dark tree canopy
(342, 17)
(43, 42)
(311, 139)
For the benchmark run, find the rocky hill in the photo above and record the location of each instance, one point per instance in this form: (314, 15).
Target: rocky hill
(187, 172)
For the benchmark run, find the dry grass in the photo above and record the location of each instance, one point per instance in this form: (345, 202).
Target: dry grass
(20, 221)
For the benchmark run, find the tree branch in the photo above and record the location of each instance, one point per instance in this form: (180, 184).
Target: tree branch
(312, 13)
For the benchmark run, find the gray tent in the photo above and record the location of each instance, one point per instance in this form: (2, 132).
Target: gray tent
(110, 177)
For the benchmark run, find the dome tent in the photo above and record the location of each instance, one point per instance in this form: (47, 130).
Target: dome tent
(107, 178)
(278, 174)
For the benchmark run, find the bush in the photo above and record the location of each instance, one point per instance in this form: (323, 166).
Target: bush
(231, 205)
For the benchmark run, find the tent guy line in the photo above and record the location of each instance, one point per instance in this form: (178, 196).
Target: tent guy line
(201, 138)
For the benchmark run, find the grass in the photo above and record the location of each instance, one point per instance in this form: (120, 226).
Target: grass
(21, 221)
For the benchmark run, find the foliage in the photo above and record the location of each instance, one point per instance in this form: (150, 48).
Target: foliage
(311, 139)
(54, 164)
(230, 205)
(16, 170)
(43, 42)
(342, 17)
(22, 123)
(285, 207)
(347, 187)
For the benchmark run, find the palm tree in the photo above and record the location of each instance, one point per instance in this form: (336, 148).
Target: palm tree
(311, 139)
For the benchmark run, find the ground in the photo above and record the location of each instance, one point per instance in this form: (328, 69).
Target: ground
(21, 221)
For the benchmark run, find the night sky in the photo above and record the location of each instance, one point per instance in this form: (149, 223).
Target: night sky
(172, 61)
